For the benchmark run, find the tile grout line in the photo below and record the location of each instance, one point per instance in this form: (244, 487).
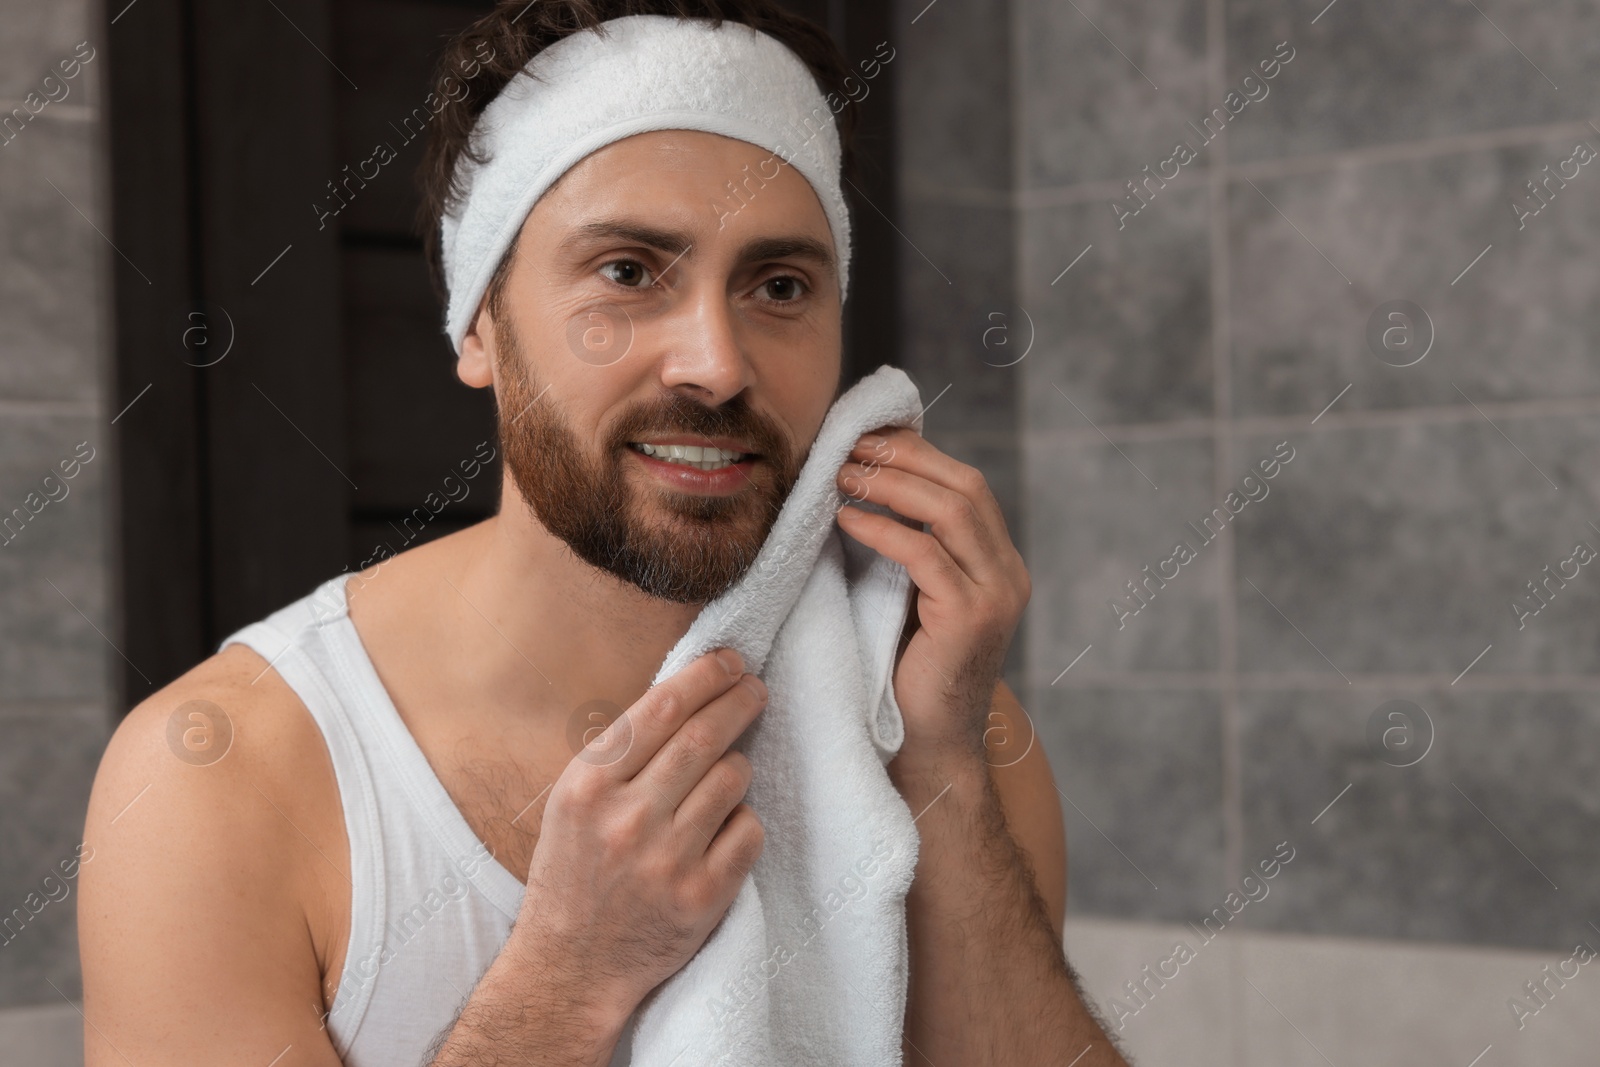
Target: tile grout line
(1020, 438)
(1410, 151)
(1260, 425)
(50, 408)
(58, 112)
(1222, 454)
(1222, 459)
(1399, 151)
(1180, 429)
(1328, 683)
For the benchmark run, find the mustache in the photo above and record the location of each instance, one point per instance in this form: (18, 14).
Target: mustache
(679, 414)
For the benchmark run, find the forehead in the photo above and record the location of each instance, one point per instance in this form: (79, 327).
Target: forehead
(710, 183)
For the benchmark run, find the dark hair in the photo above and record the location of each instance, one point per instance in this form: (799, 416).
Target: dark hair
(516, 31)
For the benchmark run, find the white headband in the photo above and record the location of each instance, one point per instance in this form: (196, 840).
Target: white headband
(649, 72)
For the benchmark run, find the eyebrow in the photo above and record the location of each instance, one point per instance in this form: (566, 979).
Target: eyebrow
(678, 242)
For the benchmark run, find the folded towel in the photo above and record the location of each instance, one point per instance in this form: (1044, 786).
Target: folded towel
(809, 964)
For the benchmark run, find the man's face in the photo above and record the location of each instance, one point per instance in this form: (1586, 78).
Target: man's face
(650, 305)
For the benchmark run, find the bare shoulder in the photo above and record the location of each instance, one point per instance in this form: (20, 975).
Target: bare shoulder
(1028, 795)
(212, 810)
(228, 730)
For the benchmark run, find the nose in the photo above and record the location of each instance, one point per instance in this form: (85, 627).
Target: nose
(705, 359)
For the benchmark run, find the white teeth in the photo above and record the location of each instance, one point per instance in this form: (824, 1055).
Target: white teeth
(698, 456)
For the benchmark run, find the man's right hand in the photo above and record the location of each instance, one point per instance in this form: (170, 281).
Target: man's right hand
(646, 839)
(643, 846)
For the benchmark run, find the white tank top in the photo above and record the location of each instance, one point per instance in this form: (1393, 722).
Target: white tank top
(430, 907)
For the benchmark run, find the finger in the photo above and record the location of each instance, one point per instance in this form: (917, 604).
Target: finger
(935, 574)
(908, 450)
(955, 520)
(904, 449)
(711, 801)
(691, 752)
(732, 853)
(623, 749)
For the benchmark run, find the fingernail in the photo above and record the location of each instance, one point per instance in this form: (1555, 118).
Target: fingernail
(756, 686)
(870, 440)
(731, 661)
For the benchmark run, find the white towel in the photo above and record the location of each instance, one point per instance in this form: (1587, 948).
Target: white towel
(809, 965)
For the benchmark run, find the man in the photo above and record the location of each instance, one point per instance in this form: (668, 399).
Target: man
(255, 905)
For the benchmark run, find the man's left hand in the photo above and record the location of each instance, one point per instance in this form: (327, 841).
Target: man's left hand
(972, 585)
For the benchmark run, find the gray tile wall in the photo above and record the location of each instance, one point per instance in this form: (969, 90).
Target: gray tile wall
(55, 678)
(962, 330)
(1188, 340)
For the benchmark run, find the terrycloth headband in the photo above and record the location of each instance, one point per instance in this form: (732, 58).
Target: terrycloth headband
(646, 72)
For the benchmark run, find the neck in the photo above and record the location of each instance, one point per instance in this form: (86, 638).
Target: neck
(505, 616)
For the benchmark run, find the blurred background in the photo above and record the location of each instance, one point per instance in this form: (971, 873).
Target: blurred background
(1271, 324)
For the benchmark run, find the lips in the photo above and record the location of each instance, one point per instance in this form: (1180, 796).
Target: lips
(715, 477)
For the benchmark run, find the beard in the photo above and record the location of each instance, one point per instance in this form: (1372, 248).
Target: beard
(681, 547)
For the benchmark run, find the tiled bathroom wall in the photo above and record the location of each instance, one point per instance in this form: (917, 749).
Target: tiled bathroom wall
(55, 467)
(1335, 661)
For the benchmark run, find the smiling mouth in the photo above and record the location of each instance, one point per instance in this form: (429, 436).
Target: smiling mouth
(700, 457)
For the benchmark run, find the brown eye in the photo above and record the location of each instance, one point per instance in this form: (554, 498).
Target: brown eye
(784, 289)
(627, 272)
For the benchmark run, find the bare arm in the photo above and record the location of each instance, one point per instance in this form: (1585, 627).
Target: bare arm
(194, 930)
(990, 983)
(521, 1013)
(1032, 803)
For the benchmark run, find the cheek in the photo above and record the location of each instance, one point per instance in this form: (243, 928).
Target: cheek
(799, 405)
(596, 336)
